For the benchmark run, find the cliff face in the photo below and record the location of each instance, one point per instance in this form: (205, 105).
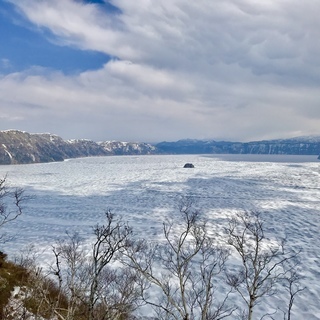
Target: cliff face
(22, 147)
(17, 147)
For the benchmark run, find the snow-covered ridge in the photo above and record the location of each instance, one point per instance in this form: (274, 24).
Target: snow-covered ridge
(118, 147)
(22, 147)
(17, 147)
(294, 146)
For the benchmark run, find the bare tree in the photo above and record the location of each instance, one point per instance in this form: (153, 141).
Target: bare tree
(95, 288)
(10, 203)
(293, 287)
(183, 270)
(71, 270)
(111, 239)
(118, 294)
(264, 266)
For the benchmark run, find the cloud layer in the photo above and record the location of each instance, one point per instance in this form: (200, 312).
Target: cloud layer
(237, 70)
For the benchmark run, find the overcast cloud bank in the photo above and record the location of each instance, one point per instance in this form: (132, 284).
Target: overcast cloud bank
(233, 70)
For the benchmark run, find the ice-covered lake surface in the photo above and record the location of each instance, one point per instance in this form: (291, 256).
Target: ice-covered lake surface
(73, 196)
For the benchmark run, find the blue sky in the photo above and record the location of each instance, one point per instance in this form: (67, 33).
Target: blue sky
(25, 46)
(166, 70)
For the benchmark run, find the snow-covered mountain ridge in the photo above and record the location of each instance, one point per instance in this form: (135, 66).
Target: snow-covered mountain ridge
(19, 147)
(294, 146)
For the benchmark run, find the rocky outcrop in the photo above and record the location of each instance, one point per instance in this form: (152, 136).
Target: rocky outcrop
(18, 147)
(188, 165)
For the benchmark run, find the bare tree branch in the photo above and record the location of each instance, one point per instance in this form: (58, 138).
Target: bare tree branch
(264, 266)
(183, 269)
(11, 201)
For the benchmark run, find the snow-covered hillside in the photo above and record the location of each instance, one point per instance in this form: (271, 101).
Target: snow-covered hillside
(19, 147)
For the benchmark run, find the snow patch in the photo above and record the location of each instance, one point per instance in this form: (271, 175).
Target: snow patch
(6, 150)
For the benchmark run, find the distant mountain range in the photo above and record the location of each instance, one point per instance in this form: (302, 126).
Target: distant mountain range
(296, 146)
(19, 147)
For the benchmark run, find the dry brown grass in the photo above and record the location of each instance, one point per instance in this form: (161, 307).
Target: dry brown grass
(11, 275)
(38, 294)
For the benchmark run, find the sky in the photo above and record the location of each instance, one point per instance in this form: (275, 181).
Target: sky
(161, 70)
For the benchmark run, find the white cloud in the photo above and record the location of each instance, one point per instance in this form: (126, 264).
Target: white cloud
(233, 69)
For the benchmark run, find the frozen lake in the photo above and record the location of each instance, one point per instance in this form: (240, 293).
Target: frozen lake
(74, 194)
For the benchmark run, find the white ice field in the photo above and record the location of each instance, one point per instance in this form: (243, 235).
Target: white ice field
(145, 190)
